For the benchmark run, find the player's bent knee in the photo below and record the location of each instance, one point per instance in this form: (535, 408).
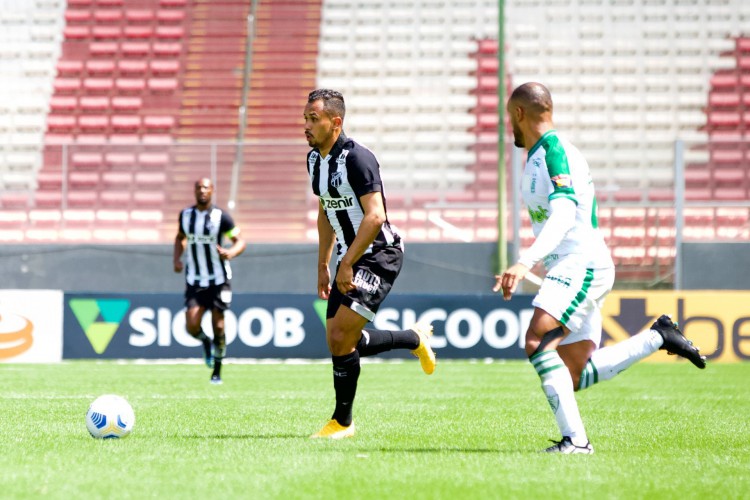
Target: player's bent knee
(535, 344)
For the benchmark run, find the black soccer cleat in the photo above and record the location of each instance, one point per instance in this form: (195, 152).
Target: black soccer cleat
(676, 343)
(566, 447)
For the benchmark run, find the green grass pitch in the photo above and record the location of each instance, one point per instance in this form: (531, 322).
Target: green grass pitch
(471, 430)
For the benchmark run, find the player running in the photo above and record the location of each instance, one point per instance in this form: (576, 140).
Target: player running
(565, 331)
(352, 217)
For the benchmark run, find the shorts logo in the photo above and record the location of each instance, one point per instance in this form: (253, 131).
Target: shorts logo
(336, 179)
(562, 181)
(337, 203)
(563, 281)
(88, 311)
(367, 281)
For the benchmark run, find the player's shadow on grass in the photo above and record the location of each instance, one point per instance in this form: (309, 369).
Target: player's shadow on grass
(242, 436)
(436, 449)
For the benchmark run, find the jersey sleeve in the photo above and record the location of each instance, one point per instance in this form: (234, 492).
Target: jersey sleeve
(179, 224)
(559, 171)
(363, 172)
(227, 227)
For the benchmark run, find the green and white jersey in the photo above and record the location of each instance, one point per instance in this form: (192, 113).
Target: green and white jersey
(557, 169)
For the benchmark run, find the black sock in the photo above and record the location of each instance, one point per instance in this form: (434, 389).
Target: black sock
(376, 341)
(220, 350)
(345, 375)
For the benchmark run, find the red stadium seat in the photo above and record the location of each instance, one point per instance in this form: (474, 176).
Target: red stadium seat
(129, 67)
(49, 181)
(100, 67)
(68, 68)
(126, 123)
(149, 199)
(86, 160)
(167, 49)
(153, 160)
(79, 199)
(117, 180)
(108, 15)
(730, 194)
(139, 15)
(94, 103)
(153, 123)
(83, 180)
(77, 16)
(164, 67)
(93, 123)
(61, 123)
(103, 49)
(130, 85)
(168, 16)
(98, 85)
(120, 160)
(11, 199)
(135, 49)
(48, 199)
(138, 32)
(170, 32)
(66, 85)
(106, 32)
(122, 103)
(63, 103)
(172, 3)
(76, 32)
(109, 3)
(150, 180)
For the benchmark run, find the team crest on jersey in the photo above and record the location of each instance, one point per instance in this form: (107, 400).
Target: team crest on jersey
(539, 215)
(562, 181)
(337, 179)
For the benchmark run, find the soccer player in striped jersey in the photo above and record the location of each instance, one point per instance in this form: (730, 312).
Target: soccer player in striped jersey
(352, 217)
(202, 229)
(565, 331)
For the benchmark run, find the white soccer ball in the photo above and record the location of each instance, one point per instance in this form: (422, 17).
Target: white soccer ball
(110, 416)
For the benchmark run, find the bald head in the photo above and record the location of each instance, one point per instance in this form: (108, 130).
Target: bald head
(204, 190)
(534, 97)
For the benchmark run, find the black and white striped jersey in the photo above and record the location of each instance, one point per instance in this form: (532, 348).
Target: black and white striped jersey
(348, 172)
(205, 230)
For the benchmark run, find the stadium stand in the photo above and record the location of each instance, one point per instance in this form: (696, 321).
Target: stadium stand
(139, 97)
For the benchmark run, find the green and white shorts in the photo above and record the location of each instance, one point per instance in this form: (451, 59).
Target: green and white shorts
(574, 294)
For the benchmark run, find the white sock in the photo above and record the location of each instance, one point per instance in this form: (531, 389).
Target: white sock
(607, 362)
(558, 387)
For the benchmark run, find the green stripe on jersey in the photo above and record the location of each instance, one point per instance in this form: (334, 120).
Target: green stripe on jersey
(580, 296)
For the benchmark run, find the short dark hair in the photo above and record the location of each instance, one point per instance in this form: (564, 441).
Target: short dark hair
(535, 96)
(333, 101)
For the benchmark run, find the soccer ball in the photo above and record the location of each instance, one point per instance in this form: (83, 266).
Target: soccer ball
(110, 416)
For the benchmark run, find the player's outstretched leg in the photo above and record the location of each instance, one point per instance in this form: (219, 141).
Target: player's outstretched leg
(424, 351)
(676, 343)
(416, 339)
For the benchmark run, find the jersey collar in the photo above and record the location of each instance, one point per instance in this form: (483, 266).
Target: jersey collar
(540, 141)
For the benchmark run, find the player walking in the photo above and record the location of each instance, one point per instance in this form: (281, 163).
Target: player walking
(565, 330)
(352, 215)
(202, 229)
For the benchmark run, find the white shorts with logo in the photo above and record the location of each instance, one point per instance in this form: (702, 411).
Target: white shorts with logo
(574, 294)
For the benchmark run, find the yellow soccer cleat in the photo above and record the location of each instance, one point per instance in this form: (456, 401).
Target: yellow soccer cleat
(424, 352)
(334, 430)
